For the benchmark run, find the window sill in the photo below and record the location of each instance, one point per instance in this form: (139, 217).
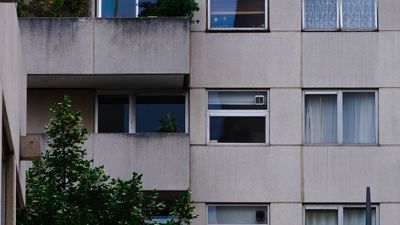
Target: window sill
(340, 145)
(237, 30)
(239, 144)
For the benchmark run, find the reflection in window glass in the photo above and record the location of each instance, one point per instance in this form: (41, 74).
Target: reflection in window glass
(118, 8)
(151, 109)
(237, 129)
(237, 215)
(113, 114)
(237, 14)
(320, 14)
(321, 217)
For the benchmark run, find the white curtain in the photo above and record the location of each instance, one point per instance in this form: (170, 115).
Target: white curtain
(234, 97)
(321, 217)
(358, 14)
(321, 119)
(359, 118)
(357, 217)
(320, 14)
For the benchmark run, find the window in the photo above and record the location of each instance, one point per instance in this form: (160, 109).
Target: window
(141, 113)
(237, 14)
(237, 116)
(237, 214)
(120, 8)
(340, 117)
(339, 14)
(113, 113)
(338, 215)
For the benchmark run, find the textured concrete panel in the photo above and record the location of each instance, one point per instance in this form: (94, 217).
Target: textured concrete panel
(245, 60)
(57, 45)
(341, 173)
(200, 211)
(201, 16)
(41, 100)
(340, 59)
(163, 159)
(285, 15)
(280, 211)
(142, 46)
(389, 116)
(389, 17)
(389, 213)
(285, 116)
(198, 116)
(245, 174)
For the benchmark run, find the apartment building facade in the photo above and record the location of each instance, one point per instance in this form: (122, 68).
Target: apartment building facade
(14, 143)
(286, 109)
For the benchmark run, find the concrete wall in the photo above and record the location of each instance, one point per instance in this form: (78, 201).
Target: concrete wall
(41, 100)
(13, 102)
(105, 46)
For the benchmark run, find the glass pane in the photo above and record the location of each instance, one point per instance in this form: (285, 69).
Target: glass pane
(320, 119)
(113, 114)
(118, 8)
(359, 116)
(142, 4)
(237, 215)
(320, 14)
(359, 14)
(356, 216)
(151, 111)
(238, 100)
(321, 217)
(237, 13)
(237, 129)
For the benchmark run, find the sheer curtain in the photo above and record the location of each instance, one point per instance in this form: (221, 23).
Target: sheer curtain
(358, 14)
(321, 119)
(359, 118)
(235, 214)
(320, 14)
(357, 217)
(321, 217)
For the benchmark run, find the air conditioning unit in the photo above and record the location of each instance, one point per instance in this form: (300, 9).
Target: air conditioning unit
(260, 99)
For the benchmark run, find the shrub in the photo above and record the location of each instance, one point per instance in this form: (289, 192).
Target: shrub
(54, 8)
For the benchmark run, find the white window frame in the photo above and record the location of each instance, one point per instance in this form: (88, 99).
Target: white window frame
(99, 8)
(266, 6)
(339, 21)
(238, 113)
(340, 210)
(339, 97)
(132, 105)
(241, 205)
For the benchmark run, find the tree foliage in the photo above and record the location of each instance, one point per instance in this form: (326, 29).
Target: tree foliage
(65, 188)
(168, 124)
(169, 8)
(54, 8)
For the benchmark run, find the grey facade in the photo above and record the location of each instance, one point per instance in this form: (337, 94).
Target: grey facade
(83, 57)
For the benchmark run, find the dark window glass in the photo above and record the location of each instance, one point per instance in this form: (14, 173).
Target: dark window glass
(237, 129)
(113, 114)
(237, 13)
(151, 109)
(118, 8)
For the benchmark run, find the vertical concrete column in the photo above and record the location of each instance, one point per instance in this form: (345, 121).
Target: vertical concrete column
(389, 213)
(198, 117)
(10, 190)
(285, 116)
(200, 212)
(389, 116)
(286, 214)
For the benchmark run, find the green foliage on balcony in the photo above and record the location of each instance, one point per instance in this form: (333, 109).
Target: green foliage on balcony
(169, 8)
(54, 8)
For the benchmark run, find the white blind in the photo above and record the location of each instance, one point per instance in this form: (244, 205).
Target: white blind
(234, 97)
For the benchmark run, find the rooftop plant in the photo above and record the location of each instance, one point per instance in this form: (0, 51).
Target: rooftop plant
(54, 8)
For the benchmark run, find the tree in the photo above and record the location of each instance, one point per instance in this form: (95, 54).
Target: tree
(168, 124)
(65, 188)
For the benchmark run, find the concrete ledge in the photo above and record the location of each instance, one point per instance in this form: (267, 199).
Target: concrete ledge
(30, 147)
(106, 47)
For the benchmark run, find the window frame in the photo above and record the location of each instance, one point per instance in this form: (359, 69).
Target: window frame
(132, 105)
(339, 22)
(238, 113)
(340, 210)
(240, 205)
(100, 5)
(339, 98)
(266, 20)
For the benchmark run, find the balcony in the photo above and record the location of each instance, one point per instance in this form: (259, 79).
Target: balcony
(106, 52)
(162, 158)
